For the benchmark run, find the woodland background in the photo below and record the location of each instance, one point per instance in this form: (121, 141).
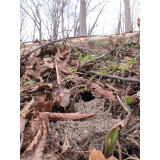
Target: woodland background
(149, 64)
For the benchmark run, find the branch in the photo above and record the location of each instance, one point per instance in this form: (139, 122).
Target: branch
(117, 77)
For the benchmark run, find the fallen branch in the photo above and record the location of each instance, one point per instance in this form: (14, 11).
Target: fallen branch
(116, 77)
(137, 126)
(122, 104)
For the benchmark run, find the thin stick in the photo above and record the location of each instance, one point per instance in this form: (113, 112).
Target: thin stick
(129, 113)
(117, 77)
(120, 152)
(111, 87)
(78, 87)
(21, 142)
(137, 126)
(57, 73)
(122, 104)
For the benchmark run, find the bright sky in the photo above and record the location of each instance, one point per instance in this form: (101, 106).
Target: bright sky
(107, 22)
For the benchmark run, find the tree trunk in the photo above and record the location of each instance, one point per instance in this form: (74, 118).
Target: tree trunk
(83, 29)
(119, 23)
(62, 22)
(128, 23)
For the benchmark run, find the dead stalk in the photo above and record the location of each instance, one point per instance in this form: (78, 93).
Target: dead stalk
(120, 152)
(122, 103)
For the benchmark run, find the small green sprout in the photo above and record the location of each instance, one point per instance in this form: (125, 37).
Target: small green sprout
(110, 141)
(85, 88)
(29, 82)
(92, 41)
(123, 41)
(133, 60)
(128, 101)
(105, 57)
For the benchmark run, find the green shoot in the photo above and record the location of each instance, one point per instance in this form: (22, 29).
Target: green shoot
(85, 88)
(133, 60)
(110, 141)
(29, 82)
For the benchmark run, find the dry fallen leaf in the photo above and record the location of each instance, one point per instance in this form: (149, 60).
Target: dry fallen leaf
(27, 107)
(66, 146)
(22, 124)
(112, 158)
(67, 116)
(64, 100)
(35, 149)
(96, 155)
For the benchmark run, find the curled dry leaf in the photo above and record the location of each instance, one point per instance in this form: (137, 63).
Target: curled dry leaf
(22, 124)
(102, 92)
(41, 85)
(67, 116)
(66, 146)
(64, 100)
(34, 126)
(35, 149)
(43, 96)
(96, 155)
(27, 107)
(41, 107)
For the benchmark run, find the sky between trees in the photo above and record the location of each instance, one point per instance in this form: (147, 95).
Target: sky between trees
(107, 22)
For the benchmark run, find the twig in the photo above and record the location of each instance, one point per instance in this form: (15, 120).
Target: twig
(117, 77)
(110, 106)
(134, 141)
(131, 38)
(129, 113)
(78, 87)
(21, 142)
(75, 143)
(57, 41)
(120, 152)
(57, 73)
(122, 104)
(111, 87)
(137, 126)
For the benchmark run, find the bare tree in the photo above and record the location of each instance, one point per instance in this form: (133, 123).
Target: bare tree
(83, 29)
(119, 22)
(34, 7)
(128, 23)
(23, 20)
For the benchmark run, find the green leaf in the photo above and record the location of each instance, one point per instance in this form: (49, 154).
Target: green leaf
(92, 41)
(120, 68)
(58, 47)
(92, 58)
(85, 88)
(29, 82)
(74, 54)
(74, 49)
(133, 60)
(80, 58)
(72, 69)
(128, 100)
(110, 142)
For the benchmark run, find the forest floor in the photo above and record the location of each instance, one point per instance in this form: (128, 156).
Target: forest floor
(71, 96)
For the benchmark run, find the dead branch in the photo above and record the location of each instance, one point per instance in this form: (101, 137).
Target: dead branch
(137, 126)
(117, 77)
